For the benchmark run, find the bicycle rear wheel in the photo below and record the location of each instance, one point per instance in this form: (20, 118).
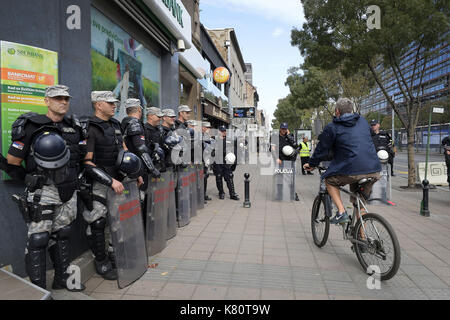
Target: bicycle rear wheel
(382, 249)
(320, 222)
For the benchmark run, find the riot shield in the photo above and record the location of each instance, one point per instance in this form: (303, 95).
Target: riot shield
(193, 189)
(284, 182)
(183, 198)
(200, 187)
(127, 233)
(381, 190)
(156, 228)
(171, 206)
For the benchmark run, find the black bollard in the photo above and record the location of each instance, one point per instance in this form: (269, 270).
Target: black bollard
(424, 210)
(247, 203)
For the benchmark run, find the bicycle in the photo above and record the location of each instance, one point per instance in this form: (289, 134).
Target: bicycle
(375, 248)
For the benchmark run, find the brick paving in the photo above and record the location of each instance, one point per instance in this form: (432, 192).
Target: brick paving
(266, 251)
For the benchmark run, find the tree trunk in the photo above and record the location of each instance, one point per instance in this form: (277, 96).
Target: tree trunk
(410, 132)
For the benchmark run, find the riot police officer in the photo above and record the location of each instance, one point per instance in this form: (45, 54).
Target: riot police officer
(446, 144)
(184, 114)
(286, 149)
(52, 147)
(154, 137)
(383, 141)
(226, 164)
(207, 147)
(134, 135)
(103, 166)
(169, 137)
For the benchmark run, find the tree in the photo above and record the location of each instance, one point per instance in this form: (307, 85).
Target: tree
(295, 117)
(336, 33)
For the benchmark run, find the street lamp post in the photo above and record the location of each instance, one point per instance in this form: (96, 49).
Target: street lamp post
(424, 209)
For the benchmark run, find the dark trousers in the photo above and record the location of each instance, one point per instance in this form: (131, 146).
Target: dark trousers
(304, 160)
(223, 171)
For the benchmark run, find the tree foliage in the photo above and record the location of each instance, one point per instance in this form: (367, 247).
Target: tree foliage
(336, 33)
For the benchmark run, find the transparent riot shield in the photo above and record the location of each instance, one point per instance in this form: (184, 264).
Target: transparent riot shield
(381, 190)
(200, 187)
(156, 228)
(171, 206)
(127, 233)
(183, 198)
(193, 189)
(284, 182)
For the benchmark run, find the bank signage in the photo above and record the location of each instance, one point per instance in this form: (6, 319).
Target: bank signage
(175, 18)
(26, 72)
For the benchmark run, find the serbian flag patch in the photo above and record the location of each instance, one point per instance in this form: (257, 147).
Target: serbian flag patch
(83, 142)
(18, 145)
(143, 138)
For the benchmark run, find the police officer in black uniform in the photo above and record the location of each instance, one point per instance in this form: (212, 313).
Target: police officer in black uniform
(225, 167)
(104, 145)
(134, 135)
(169, 136)
(285, 138)
(446, 144)
(383, 141)
(154, 137)
(52, 147)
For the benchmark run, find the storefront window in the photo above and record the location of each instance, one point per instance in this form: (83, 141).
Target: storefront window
(123, 65)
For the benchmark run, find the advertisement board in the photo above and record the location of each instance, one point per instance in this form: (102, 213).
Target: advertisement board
(244, 112)
(26, 72)
(123, 65)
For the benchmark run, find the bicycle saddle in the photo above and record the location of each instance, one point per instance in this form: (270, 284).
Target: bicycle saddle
(364, 181)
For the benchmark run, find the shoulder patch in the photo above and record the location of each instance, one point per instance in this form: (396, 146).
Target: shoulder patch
(18, 145)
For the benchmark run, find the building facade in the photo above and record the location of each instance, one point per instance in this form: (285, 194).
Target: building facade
(129, 47)
(215, 102)
(435, 84)
(435, 88)
(228, 46)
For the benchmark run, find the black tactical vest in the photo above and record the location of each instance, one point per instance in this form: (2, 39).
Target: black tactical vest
(108, 146)
(69, 129)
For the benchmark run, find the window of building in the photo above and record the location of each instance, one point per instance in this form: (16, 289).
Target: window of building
(122, 65)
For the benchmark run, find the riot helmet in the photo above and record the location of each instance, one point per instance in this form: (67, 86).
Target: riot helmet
(129, 164)
(288, 151)
(230, 158)
(383, 155)
(51, 154)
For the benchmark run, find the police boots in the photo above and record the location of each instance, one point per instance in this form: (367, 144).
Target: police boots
(35, 259)
(102, 263)
(230, 185)
(60, 255)
(219, 184)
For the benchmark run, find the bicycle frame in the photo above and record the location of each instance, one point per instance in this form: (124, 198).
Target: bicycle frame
(356, 212)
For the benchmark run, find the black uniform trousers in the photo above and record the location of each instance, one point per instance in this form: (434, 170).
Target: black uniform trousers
(223, 171)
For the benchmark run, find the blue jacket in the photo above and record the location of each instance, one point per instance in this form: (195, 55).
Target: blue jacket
(349, 139)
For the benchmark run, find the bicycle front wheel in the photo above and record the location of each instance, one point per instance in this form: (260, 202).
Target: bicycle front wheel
(382, 249)
(320, 223)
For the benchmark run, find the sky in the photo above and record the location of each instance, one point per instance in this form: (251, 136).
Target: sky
(263, 30)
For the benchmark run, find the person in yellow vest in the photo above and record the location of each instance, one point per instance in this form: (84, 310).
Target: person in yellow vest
(305, 153)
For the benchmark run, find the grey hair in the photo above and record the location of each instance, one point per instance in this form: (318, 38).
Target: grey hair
(344, 105)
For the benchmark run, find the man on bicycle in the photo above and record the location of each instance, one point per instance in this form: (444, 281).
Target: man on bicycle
(349, 139)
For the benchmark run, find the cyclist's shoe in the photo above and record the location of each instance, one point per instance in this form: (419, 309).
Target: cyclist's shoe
(340, 218)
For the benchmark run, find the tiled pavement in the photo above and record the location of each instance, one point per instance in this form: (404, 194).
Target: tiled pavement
(266, 252)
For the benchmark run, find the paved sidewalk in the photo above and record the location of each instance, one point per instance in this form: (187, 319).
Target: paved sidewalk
(267, 252)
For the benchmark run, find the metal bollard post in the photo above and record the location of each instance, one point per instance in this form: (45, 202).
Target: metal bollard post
(424, 210)
(247, 203)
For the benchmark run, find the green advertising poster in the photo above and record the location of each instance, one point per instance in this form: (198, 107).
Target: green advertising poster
(25, 73)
